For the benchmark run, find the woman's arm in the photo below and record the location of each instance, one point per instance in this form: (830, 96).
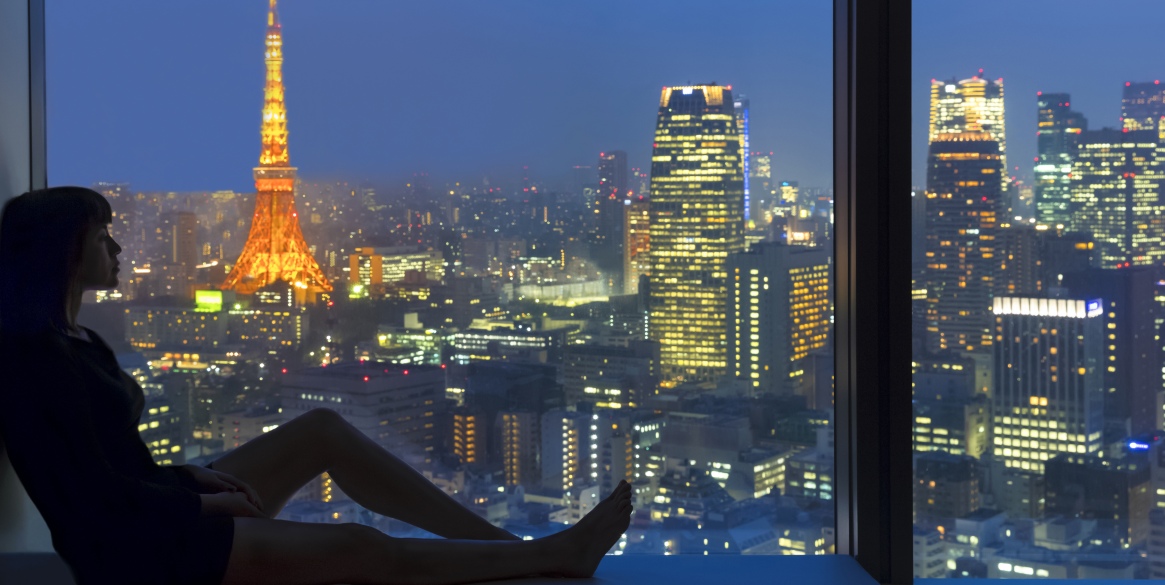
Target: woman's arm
(45, 416)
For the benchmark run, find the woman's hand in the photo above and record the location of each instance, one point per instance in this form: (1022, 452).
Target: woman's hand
(218, 482)
(233, 504)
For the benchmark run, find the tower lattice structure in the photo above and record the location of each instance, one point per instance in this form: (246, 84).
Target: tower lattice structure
(275, 249)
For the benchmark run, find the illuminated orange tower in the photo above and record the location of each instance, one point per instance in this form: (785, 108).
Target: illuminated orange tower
(275, 250)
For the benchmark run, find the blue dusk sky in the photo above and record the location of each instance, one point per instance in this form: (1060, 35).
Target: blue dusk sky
(167, 95)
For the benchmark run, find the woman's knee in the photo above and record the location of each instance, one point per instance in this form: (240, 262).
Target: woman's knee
(322, 417)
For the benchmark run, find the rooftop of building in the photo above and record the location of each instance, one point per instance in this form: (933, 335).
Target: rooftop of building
(982, 514)
(366, 371)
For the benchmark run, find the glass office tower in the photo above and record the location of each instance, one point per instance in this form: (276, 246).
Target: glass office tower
(970, 105)
(1115, 188)
(697, 220)
(741, 106)
(1057, 134)
(1142, 105)
(962, 217)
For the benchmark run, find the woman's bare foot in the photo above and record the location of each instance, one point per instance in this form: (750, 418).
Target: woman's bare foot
(583, 545)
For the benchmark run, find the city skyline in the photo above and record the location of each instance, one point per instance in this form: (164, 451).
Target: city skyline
(1029, 60)
(118, 112)
(370, 105)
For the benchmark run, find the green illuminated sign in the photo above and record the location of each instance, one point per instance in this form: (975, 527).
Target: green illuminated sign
(208, 300)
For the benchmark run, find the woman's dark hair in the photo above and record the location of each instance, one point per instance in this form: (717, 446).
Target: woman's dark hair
(41, 233)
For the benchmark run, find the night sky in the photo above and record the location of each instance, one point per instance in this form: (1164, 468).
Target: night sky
(1086, 48)
(167, 95)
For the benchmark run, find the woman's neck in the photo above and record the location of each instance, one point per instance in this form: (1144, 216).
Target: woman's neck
(72, 307)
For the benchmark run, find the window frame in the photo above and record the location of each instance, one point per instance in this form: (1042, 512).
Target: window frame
(872, 56)
(871, 97)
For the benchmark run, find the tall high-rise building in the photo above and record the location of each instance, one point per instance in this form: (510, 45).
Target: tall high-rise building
(970, 105)
(469, 437)
(1018, 259)
(565, 448)
(762, 192)
(275, 249)
(697, 220)
(1061, 253)
(778, 308)
(1048, 395)
(636, 243)
(741, 106)
(962, 214)
(521, 434)
(611, 207)
(1132, 354)
(613, 173)
(1058, 132)
(1142, 105)
(182, 239)
(1115, 188)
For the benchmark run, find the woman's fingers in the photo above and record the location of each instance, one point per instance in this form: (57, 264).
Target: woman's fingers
(237, 484)
(253, 495)
(246, 508)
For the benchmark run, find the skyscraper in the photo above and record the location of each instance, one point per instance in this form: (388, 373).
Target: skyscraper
(275, 249)
(778, 313)
(1142, 105)
(610, 204)
(1115, 189)
(697, 220)
(962, 214)
(1132, 355)
(1058, 133)
(970, 105)
(761, 189)
(521, 434)
(741, 105)
(1047, 397)
(636, 243)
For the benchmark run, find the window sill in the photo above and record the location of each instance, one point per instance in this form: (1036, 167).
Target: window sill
(47, 569)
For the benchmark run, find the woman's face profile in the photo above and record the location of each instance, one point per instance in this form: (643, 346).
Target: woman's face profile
(99, 265)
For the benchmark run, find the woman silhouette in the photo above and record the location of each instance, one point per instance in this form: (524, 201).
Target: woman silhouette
(69, 419)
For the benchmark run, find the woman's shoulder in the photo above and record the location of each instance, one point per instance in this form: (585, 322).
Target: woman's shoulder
(33, 341)
(38, 354)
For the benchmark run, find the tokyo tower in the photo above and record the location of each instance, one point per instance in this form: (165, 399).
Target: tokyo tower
(275, 250)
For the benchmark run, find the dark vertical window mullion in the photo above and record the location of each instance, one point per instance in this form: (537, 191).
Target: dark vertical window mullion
(872, 219)
(38, 169)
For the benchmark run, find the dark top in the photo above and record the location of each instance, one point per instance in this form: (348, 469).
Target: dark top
(69, 419)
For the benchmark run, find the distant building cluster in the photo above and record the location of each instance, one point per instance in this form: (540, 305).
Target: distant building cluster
(524, 347)
(1038, 387)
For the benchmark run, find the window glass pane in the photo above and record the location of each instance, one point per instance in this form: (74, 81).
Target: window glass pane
(531, 248)
(1039, 293)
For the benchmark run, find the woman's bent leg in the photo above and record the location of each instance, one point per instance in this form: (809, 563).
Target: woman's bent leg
(278, 463)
